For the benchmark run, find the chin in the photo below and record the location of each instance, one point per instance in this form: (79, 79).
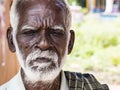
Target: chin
(44, 72)
(33, 76)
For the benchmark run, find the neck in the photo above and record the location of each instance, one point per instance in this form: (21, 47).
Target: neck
(40, 85)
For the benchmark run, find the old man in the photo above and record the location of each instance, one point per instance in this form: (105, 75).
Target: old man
(41, 37)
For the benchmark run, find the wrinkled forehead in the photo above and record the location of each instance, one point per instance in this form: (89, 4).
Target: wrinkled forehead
(51, 4)
(43, 12)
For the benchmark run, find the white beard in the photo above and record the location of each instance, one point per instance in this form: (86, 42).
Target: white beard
(35, 75)
(45, 75)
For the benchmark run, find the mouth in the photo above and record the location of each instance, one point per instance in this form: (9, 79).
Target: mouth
(41, 64)
(40, 60)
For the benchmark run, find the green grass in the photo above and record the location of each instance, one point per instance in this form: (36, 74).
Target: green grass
(97, 46)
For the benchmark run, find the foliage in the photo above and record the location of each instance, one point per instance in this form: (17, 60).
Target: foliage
(72, 1)
(78, 2)
(97, 45)
(84, 10)
(82, 3)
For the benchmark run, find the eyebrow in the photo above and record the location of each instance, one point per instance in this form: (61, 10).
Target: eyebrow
(58, 28)
(28, 27)
(31, 27)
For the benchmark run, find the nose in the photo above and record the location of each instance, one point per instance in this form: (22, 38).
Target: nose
(43, 42)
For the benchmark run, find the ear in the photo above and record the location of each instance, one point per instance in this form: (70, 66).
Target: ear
(10, 39)
(71, 42)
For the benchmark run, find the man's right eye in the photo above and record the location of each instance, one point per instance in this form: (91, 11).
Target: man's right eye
(57, 32)
(29, 32)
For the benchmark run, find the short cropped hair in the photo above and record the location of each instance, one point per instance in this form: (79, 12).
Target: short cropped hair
(16, 4)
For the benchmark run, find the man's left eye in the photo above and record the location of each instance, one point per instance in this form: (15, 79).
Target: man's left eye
(57, 32)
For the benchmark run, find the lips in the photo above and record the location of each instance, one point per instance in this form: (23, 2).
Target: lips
(40, 60)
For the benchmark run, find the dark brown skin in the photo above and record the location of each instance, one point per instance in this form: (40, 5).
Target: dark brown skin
(42, 15)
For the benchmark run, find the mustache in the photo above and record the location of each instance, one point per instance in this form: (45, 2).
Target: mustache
(48, 54)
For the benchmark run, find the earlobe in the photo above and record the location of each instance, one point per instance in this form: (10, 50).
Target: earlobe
(71, 42)
(10, 39)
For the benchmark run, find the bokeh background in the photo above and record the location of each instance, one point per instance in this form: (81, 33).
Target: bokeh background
(97, 44)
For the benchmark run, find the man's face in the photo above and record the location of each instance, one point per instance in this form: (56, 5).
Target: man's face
(42, 29)
(42, 38)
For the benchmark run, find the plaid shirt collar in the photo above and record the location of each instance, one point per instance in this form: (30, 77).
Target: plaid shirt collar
(78, 81)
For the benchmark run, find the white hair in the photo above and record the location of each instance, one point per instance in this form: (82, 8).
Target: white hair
(14, 17)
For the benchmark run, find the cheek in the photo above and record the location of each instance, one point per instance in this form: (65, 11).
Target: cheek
(61, 49)
(25, 46)
(60, 45)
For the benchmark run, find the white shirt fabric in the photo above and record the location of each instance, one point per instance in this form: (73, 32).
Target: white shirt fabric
(16, 83)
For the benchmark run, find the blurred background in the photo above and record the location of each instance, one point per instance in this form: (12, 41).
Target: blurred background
(97, 44)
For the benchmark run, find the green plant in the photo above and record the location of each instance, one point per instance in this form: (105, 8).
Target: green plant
(115, 61)
(110, 41)
(96, 38)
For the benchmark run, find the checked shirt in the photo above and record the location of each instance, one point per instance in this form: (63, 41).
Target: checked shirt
(78, 81)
